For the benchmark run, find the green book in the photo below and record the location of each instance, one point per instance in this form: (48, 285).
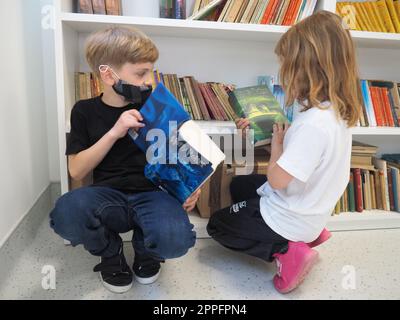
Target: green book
(259, 105)
(351, 199)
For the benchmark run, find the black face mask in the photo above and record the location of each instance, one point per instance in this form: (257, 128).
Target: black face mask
(133, 94)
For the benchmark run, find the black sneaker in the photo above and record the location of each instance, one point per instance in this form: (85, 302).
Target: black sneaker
(115, 273)
(146, 269)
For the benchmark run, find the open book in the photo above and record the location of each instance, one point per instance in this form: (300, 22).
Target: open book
(180, 156)
(259, 105)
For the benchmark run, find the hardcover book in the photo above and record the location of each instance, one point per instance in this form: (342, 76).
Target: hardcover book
(181, 157)
(259, 105)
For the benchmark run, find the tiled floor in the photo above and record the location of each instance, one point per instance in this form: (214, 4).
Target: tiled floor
(353, 265)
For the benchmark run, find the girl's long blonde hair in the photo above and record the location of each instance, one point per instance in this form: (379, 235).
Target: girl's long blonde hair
(318, 63)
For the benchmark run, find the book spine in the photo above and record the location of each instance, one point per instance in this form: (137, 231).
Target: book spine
(393, 109)
(180, 9)
(375, 105)
(390, 189)
(388, 110)
(358, 190)
(372, 189)
(99, 7)
(378, 191)
(85, 6)
(396, 199)
(352, 203)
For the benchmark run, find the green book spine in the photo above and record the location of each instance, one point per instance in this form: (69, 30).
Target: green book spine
(351, 198)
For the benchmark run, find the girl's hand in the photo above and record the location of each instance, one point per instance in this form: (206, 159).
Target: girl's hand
(190, 202)
(279, 132)
(243, 125)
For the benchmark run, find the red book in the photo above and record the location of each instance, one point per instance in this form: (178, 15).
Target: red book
(295, 12)
(207, 99)
(390, 189)
(215, 102)
(267, 11)
(273, 9)
(215, 108)
(385, 93)
(358, 190)
(375, 103)
(382, 105)
(275, 12)
(288, 13)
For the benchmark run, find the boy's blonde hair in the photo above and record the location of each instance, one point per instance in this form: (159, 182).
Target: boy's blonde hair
(318, 62)
(117, 46)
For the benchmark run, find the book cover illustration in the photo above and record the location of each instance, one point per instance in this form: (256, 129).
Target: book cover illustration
(259, 105)
(182, 161)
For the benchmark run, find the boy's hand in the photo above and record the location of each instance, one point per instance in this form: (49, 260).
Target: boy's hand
(127, 120)
(243, 125)
(190, 202)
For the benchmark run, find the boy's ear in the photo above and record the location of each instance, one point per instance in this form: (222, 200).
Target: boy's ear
(107, 77)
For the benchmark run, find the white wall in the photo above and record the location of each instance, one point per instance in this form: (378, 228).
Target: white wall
(49, 70)
(24, 163)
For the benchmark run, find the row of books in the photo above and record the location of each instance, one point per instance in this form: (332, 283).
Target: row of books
(108, 7)
(277, 12)
(87, 85)
(374, 183)
(173, 9)
(377, 16)
(381, 104)
(203, 101)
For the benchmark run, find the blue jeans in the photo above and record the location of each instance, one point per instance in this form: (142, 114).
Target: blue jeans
(94, 216)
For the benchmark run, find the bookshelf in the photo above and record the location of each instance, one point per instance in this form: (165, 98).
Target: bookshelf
(222, 52)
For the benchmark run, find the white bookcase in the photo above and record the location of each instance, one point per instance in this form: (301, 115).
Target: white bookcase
(224, 52)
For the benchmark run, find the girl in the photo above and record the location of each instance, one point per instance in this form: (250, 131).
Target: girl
(281, 216)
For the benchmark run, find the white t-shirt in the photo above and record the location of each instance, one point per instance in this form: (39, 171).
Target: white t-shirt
(317, 153)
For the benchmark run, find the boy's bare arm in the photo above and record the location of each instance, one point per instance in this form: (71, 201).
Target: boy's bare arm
(81, 164)
(277, 177)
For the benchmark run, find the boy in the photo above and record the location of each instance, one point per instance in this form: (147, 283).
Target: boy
(121, 198)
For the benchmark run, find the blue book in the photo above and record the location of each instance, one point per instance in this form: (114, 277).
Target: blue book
(395, 183)
(180, 156)
(368, 103)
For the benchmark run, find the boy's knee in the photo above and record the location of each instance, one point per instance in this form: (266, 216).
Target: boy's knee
(66, 216)
(173, 240)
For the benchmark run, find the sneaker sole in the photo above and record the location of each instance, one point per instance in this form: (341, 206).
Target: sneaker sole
(149, 280)
(307, 268)
(115, 289)
(314, 244)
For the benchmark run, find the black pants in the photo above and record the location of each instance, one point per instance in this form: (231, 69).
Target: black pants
(241, 226)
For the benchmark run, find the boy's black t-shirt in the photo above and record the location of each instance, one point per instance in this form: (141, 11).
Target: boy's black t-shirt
(123, 166)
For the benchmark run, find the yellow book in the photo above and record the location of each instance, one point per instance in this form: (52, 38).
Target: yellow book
(384, 13)
(397, 7)
(348, 12)
(370, 23)
(372, 15)
(379, 17)
(361, 18)
(393, 15)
